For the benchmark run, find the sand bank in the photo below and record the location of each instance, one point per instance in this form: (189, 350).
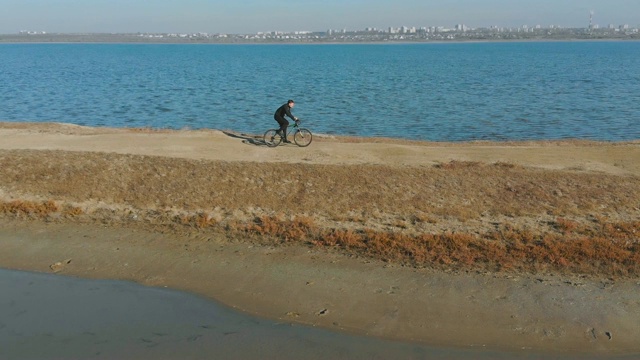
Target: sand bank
(547, 310)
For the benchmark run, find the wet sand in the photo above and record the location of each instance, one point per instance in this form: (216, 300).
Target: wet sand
(469, 311)
(101, 319)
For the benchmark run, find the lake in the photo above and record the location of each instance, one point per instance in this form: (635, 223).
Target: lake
(438, 92)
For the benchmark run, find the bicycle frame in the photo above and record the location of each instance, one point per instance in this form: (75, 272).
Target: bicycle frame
(293, 128)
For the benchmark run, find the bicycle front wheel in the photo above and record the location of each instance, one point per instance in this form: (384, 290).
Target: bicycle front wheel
(302, 137)
(272, 138)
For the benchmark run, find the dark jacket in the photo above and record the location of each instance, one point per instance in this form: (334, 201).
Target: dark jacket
(282, 111)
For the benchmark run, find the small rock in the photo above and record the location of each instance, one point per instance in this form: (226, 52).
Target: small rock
(322, 312)
(59, 266)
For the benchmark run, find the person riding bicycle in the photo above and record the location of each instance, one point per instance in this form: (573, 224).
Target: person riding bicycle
(279, 117)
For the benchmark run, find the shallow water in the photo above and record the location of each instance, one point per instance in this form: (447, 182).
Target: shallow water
(44, 316)
(439, 92)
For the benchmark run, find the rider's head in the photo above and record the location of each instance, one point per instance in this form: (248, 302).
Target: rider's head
(291, 103)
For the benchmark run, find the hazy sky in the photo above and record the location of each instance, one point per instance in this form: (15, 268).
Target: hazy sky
(250, 16)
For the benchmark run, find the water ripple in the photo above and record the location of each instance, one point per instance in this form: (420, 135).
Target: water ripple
(441, 92)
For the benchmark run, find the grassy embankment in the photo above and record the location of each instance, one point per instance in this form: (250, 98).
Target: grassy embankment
(457, 215)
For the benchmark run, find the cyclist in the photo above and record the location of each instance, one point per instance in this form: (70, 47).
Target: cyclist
(279, 117)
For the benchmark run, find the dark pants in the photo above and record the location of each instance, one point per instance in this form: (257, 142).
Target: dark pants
(283, 125)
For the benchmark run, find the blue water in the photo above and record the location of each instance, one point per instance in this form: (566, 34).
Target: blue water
(439, 92)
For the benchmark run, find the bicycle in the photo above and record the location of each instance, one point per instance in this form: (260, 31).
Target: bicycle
(301, 136)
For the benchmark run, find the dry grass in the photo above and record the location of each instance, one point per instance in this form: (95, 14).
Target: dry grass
(607, 248)
(463, 215)
(38, 209)
(462, 191)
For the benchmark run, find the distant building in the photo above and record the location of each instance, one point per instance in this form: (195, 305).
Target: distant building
(27, 32)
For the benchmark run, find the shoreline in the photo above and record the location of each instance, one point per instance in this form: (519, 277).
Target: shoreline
(145, 41)
(508, 312)
(191, 210)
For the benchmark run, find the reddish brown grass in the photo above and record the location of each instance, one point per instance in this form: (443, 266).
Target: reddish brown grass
(609, 251)
(603, 248)
(32, 208)
(200, 220)
(38, 209)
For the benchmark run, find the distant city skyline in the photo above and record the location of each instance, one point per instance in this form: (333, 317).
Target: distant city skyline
(252, 16)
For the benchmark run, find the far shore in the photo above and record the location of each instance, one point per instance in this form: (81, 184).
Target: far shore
(432, 42)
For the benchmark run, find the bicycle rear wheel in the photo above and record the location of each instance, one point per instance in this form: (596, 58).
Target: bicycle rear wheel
(272, 138)
(302, 137)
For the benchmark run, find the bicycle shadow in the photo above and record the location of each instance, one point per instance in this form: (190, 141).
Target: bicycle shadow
(247, 139)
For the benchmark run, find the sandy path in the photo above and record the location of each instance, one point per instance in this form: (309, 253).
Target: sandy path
(218, 145)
